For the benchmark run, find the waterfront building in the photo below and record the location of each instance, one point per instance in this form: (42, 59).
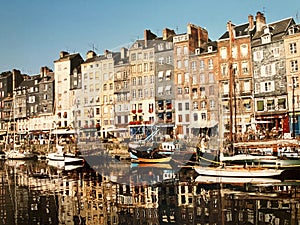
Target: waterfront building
(269, 73)
(203, 70)
(65, 68)
(142, 84)
(122, 94)
(164, 85)
(184, 46)
(292, 55)
(235, 77)
(8, 82)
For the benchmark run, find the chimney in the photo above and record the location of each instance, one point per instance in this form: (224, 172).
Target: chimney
(148, 35)
(123, 53)
(63, 54)
(251, 22)
(260, 21)
(168, 33)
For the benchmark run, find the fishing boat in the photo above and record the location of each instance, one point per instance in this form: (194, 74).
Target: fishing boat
(237, 171)
(146, 154)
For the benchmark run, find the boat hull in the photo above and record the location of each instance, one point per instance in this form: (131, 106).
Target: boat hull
(237, 172)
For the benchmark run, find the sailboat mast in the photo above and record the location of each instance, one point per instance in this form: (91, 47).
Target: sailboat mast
(231, 82)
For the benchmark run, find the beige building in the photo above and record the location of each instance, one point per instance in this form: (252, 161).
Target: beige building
(65, 67)
(184, 46)
(292, 54)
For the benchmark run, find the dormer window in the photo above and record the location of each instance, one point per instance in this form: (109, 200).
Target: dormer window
(210, 48)
(291, 30)
(266, 39)
(197, 51)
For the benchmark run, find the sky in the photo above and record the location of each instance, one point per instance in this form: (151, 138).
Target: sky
(34, 32)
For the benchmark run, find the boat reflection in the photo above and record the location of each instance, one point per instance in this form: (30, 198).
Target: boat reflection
(86, 196)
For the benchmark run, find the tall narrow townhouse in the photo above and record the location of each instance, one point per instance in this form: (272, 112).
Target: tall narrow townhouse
(203, 70)
(184, 46)
(292, 53)
(35, 105)
(142, 86)
(122, 94)
(235, 78)
(8, 82)
(164, 84)
(97, 97)
(269, 74)
(65, 69)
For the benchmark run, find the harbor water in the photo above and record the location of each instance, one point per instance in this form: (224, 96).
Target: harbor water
(33, 192)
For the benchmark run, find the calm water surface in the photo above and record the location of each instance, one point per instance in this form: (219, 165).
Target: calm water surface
(32, 192)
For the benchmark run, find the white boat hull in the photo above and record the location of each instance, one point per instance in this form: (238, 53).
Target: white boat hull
(236, 172)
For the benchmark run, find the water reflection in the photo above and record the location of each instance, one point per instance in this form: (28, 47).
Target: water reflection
(32, 192)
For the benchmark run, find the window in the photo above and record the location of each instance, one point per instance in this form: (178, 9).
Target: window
(225, 88)
(211, 78)
(179, 78)
(194, 66)
(179, 106)
(133, 81)
(185, 50)
(210, 64)
(133, 93)
(178, 63)
(267, 86)
(186, 63)
(186, 78)
(160, 75)
(168, 75)
(224, 70)
(260, 105)
(180, 118)
(245, 69)
(281, 103)
(195, 115)
(140, 81)
(223, 52)
(266, 39)
(244, 50)
(201, 66)
(140, 93)
(178, 51)
(212, 104)
(293, 48)
(294, 66)
(186, 90)
(275, 52)
(257, 56)
(247, 86)
(195, 105)
(187, 106)
(179, 90)
(270, 104)
(203, 104)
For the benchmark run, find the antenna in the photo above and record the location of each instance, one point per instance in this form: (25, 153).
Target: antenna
(264, 10)
(93, 47)
(177, 29)
(297, 17)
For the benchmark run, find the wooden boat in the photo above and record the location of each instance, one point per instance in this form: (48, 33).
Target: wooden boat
(145, 154)
(266, 161)
(237, 171)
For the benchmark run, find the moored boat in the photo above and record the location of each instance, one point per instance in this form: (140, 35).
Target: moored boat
(20, 155)
(237, 171)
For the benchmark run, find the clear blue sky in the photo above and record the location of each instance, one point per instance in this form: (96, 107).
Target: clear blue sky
(33, 32)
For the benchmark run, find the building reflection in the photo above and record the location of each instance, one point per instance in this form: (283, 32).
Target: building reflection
(35, 193)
